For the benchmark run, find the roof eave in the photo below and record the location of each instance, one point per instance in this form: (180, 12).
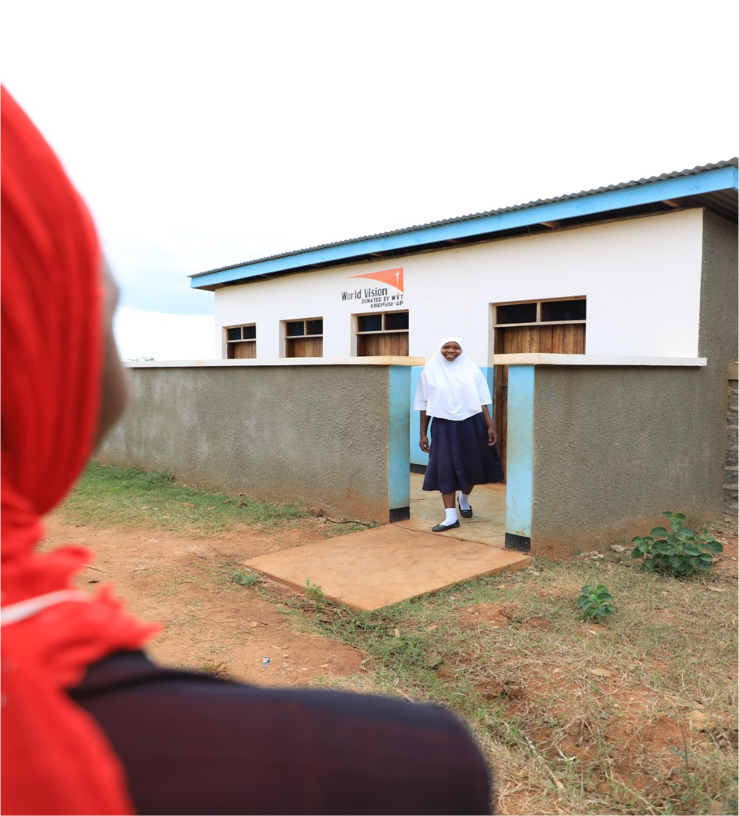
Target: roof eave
(671, 189)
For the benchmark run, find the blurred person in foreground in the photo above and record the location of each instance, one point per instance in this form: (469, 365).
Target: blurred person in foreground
(89, 724)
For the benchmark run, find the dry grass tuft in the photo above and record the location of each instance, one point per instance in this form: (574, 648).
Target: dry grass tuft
(576, 717)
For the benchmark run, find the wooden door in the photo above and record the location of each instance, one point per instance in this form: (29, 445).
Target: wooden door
(560, 338)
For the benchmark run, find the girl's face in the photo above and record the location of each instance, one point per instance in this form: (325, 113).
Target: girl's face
(450, 351)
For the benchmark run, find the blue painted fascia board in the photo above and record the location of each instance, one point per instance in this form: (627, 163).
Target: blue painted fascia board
(710, 181)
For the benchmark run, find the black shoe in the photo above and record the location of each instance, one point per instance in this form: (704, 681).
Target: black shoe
(442, 528)
(465, 513)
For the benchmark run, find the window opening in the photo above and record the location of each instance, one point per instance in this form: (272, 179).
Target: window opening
(382, 334)
(304, 338)
(296, 328)
(515, 313)
(540, 326)
(530, 313)
(562, 310)
(369, 323)
(241, 342)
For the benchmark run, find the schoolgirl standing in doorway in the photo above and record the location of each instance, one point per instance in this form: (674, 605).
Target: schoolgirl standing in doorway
(453, 392)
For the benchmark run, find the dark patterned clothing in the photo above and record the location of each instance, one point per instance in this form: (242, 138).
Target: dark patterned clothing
(193, 744)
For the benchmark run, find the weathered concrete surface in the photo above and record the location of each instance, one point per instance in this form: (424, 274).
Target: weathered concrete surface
(385, 565)
(487, 525)
(317, 433)
(718, 343)
(731, 460)
(614, 447)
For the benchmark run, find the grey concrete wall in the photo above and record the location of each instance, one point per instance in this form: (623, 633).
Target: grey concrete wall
(718, 343)
(314, 433)
(614, 447)
(731, 460)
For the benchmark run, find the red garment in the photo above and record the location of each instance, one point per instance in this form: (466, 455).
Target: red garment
(55, 759)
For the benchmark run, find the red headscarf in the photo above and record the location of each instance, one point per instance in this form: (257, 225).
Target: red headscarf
(55, 759)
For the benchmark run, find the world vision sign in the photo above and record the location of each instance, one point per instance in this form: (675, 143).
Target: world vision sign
(377, 296)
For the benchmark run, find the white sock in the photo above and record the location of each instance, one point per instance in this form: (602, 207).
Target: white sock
(464, 501)
(451, 516)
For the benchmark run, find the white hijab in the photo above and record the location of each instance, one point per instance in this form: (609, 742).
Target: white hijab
(451, 390)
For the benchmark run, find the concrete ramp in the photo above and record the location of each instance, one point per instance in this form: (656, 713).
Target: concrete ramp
(382, 566)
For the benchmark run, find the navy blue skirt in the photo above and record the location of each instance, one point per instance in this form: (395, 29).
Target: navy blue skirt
(460, 455)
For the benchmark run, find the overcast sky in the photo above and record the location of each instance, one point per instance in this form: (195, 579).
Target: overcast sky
(203, 134)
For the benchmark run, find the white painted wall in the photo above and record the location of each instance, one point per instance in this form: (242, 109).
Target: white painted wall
(641, 278)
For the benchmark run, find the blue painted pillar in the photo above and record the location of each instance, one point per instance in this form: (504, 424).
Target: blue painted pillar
(489, 374)
(417, 456)
(398, 454)
(520, 457)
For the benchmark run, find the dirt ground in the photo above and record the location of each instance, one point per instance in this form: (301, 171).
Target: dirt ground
(250, 634)
(168, 579)
(165, 578)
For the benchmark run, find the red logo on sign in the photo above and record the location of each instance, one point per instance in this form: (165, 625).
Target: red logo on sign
(394, 277)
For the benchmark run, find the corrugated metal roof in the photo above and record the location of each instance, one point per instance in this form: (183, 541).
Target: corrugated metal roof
(724, 202)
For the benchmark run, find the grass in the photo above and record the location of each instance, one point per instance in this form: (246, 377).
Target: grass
(215, 668)
(574, 717)
(129, 497)
(562, 738)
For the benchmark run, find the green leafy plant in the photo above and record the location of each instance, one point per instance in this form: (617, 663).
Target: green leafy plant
(246, 579)
(595, 602)
(316, 594)
(680, 552)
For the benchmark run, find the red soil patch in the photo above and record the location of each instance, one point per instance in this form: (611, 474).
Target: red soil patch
(490, 615)
(163, 577)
